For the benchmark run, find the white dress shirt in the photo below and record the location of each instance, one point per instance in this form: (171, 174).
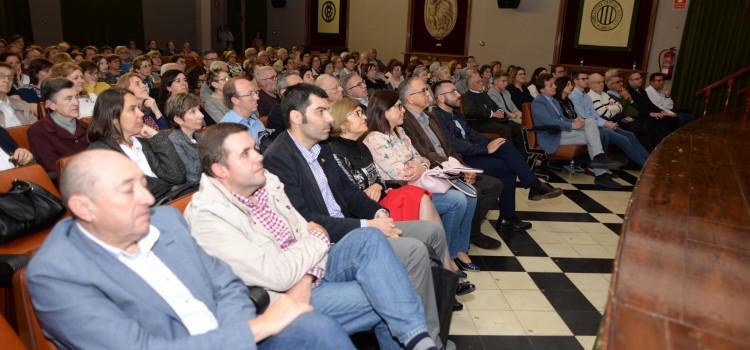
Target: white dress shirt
(193, 313)
(5, 163)
(9, 113)
(664, 103)
(136, 154)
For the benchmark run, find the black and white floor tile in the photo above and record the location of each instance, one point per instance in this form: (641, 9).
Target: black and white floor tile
(546, 288)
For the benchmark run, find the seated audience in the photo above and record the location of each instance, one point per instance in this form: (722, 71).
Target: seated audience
(496, 157)
(38, 71)
(214, 103)
(13, 110)
(265, 77)
(623, 139)
(373, 82)
(142, 67)
(74, 73)
(134, 278)
(647, 129)
(118, 125)
(486, 116)
(610, 109)
(92, 84)
(558, 71)
(284, 81)
(183, 111)
(241, 97)
(562, 126)
(422, 73)
(173, 81)
(647, 108)
(14, 61)
(11, 155)
(660, 96)
(354, 87)
(485, 72)
(303, 164)
(396, 158)
(423, 128)
(242, 216)
(534, 76)
(500, 95)
(61, 134)
(152, 115)
(518, 88)
(113, 69)
(331, 86)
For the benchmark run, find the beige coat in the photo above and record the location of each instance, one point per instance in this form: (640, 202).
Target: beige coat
(22, 109)
(225, 228)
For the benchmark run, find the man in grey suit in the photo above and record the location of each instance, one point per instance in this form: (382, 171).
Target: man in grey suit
(114, 277)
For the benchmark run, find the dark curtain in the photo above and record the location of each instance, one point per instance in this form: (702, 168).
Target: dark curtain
(97, 22)
(15, 18)
(234, 19)
(715, 43)
(256, 18)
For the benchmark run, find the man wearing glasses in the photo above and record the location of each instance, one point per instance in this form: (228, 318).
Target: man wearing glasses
(13, 110)
(355, 88)
(266, 78)
(241, 97)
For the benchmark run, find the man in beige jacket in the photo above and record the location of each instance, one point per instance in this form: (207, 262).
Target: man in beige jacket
(241, 215)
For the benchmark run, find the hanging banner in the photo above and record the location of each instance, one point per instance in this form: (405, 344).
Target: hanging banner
(329, 16)
(606, 23)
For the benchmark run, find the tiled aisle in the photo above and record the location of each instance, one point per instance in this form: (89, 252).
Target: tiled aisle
(546, 288)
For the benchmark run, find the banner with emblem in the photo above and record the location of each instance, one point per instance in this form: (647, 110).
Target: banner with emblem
(606, 24)
(329, 16)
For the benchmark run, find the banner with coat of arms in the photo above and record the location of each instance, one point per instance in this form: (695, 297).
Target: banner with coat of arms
(329, 16)
(606, 24)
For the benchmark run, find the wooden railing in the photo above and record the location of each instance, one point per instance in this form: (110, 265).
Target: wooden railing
(729, 81)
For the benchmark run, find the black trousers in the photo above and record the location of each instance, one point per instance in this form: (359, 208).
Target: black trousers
(507, 129)
(488, 194)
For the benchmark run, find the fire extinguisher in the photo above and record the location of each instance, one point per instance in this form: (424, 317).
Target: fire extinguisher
(667, 58)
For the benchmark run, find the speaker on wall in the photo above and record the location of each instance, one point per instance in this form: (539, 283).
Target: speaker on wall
(280, 3)
(508, 4)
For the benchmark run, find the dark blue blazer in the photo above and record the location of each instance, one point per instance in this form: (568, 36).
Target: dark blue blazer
(6, 142)
(545, 114)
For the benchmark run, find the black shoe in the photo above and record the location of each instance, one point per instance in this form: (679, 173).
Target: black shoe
(514, 224)
(485, 242)
(601, 161)
(605, 180)
(461, 274)
(465, 287)
(541, 190)
(457, 306)
(466, 266)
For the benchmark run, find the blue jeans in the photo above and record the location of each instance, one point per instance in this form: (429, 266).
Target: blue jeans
(505, 164)
(456, 211)
(627, 143)
(311, 330)
(366, 286)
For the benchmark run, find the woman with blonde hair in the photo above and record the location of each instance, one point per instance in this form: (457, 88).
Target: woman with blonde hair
(74, 73)
(152, 116)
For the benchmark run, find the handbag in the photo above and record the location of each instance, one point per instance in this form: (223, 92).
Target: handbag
(27, 208)
(446, 176)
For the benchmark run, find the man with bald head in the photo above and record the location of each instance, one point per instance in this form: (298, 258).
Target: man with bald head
(331, 86)
(134, 278)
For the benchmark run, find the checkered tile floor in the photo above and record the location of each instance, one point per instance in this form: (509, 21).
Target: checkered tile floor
(546, 288)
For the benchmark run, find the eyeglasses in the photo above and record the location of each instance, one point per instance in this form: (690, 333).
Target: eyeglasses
(361, 83)
(251, 93)
(398, 105)
(223, 79)
(273, 77)
(454, 91)
(422, 91)
(358, 113)
(6, 77)
(617, 82)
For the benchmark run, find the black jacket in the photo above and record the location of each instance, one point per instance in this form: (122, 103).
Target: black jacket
(284, 160)
(471, 144)
(162, 158)
(6, 142)
(478, 105)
